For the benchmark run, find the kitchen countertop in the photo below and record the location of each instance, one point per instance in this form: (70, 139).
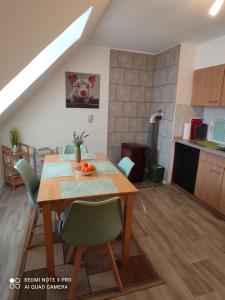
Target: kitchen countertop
(203, 148)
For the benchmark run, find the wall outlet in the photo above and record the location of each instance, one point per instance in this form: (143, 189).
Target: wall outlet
(90, 118)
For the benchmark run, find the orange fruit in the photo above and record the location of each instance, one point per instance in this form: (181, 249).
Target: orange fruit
(84, 164)
(89, 169)
(92, 168)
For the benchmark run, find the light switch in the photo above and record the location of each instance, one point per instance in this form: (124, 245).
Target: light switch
(90, 118)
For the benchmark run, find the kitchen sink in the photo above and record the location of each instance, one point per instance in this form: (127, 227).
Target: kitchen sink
(210, 144)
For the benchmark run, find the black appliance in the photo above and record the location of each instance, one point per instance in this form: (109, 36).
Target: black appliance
(201, 132)
(185, 166)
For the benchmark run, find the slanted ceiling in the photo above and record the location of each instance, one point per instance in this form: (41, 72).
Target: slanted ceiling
(28, 26)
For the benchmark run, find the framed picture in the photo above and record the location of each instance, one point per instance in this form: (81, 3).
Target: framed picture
(82, 90)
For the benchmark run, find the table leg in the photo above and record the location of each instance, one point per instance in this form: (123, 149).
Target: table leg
(48, 235)
(128, 208)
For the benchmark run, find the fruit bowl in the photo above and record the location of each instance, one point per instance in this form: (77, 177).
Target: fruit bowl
(86, 169)
(84, 173)
(87, 173)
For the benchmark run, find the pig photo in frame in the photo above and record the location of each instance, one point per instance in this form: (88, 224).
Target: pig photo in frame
(82, 90)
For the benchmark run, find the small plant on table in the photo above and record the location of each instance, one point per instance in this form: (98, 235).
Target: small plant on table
(78, 140)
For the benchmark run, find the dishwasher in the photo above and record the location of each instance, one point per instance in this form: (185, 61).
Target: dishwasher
(185, 166)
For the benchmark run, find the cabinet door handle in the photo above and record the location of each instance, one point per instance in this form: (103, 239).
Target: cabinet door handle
(213, 101)
(215, 171)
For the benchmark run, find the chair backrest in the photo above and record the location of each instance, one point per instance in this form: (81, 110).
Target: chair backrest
(92, 223)
(30, 180)
(83, 148)
(70, 149)
(125, 165)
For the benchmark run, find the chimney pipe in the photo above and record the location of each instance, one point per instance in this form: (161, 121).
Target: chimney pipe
(155, 116)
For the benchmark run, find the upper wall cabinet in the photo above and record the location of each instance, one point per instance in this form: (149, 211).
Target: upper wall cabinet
(223, 94)
(209, 87)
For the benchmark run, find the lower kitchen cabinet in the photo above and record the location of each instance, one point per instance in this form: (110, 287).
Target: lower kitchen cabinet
(208, 184)
(221, 204)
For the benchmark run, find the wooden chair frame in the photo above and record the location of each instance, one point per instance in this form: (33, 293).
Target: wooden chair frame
(77, 260)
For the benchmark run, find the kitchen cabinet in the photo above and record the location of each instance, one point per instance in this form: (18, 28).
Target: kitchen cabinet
(208, 183)
(213, 159)
(209, 87)
(223, 94)
(201, 174)
(198, 88)
(221, 204)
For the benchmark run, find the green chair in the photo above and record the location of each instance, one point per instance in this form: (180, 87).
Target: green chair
(32, 182)
(70, 149)
(125, 165)
(88, 224)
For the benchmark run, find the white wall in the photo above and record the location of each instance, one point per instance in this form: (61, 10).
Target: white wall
(43, 120)
(185, 74)
(211, 53)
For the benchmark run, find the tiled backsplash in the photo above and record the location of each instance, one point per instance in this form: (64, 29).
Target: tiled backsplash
(184, 113)
(218, 131)
(210, 115)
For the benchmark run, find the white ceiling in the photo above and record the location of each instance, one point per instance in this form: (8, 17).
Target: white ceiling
(154, 25)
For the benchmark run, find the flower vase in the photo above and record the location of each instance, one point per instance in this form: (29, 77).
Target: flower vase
(78, 154)
(14, 148)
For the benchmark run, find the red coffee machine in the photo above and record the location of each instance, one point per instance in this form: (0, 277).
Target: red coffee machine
(195, 122)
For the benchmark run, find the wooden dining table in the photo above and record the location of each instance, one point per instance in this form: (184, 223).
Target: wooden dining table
(50, 198)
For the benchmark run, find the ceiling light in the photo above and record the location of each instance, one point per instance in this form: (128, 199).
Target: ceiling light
(215, 7)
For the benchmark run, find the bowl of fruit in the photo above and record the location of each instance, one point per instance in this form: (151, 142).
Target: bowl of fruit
(87, 169)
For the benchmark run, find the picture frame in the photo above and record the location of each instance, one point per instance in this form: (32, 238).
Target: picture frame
(82, 90)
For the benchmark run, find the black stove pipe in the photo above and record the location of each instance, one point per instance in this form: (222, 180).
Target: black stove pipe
(153, 131)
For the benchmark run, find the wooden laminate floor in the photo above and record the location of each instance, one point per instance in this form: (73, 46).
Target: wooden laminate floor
(185, 242)
(14, 219)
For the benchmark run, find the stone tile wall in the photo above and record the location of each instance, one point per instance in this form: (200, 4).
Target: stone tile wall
(164, 97)
(130, 90)
(140, 85)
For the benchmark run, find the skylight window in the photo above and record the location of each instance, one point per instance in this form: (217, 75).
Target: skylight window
(43, 61)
